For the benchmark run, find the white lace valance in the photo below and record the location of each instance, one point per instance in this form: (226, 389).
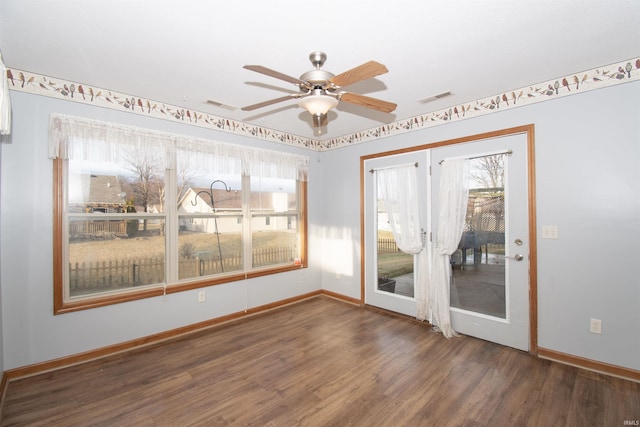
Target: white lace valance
(86, 139)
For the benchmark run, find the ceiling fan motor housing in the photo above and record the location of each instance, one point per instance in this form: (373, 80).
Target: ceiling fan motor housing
(318, 79)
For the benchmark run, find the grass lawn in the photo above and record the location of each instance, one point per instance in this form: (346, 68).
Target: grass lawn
(393, 264)
(152, 246)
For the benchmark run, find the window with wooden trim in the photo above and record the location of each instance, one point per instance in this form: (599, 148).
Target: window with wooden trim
(140, 213)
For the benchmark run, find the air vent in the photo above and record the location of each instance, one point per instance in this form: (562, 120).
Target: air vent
(434, 97)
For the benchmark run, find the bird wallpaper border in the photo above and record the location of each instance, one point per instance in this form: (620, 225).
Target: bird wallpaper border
(618, 73)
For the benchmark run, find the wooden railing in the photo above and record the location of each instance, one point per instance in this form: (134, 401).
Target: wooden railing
(387, 246)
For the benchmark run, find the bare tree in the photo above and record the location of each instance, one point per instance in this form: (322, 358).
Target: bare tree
(489, 172)
(148, 182)
(185, 180)
(146, 185)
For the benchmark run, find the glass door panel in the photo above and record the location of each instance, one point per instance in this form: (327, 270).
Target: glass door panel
(478, 266)
(395, 268)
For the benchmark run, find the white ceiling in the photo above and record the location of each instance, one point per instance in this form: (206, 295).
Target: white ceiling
(185, 52)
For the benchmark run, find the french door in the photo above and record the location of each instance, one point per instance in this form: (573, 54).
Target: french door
(389, 272)
(490, 281)
(489, 289)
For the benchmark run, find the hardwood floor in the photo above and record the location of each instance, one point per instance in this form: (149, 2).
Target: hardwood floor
(321, 362)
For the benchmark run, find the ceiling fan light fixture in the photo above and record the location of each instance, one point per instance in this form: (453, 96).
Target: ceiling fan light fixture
(319, 120)
(318, 103)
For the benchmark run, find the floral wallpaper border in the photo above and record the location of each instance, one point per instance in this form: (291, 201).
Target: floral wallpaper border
(618, 73)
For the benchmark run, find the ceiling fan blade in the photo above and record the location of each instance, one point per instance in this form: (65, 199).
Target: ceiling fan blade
(362, 72)
(365, 101)
(278, 75)
(270, 102)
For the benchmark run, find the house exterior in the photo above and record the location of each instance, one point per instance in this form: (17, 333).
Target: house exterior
(269, 209)
(198, 200)
(97, 193)
(91, 193)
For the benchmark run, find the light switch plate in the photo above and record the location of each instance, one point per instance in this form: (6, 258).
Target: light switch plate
(549, 231)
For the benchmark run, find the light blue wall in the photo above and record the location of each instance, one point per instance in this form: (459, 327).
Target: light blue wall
(31, 333)
(588, 184)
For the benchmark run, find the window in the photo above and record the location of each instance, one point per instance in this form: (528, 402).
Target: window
(273, 204)
(139, 214)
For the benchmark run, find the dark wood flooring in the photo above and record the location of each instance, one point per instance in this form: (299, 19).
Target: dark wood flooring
(322, 362)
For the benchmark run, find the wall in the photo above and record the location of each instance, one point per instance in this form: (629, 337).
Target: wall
(31, 333)
(588, 184)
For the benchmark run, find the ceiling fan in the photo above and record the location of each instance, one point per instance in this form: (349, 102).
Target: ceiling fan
(320, 89)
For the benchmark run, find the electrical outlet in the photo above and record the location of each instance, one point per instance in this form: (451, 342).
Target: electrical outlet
(549, 231)
(595, 326)
(202, 296)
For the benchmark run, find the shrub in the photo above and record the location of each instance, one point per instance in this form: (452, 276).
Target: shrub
(132, 225)
(186, 250)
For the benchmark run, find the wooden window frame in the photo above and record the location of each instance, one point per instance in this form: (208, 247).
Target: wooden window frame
(65, 305)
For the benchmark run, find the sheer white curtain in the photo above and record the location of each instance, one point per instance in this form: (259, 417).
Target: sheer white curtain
(5, 102)
(399, 193)
(452, 207)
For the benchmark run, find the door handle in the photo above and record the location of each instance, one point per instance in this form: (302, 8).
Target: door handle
(517, 257)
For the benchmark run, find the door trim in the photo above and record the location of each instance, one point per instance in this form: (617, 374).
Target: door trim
(529, 130)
